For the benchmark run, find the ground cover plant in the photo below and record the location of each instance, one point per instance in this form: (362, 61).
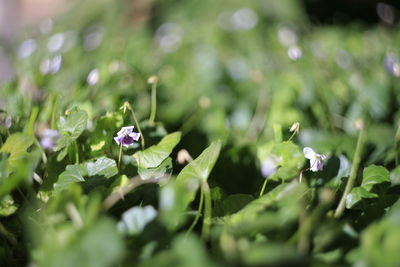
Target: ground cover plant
(200, 133)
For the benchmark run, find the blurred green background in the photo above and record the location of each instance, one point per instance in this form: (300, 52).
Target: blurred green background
(237, 71)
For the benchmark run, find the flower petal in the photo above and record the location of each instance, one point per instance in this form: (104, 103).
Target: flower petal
(126, 130)
(135, 136)
(314, 164)
(309, 153)
(117, 140)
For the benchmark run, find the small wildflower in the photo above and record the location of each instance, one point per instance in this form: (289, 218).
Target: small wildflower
(49, 139)
(125, 106)
(269, 166)
(204, 102)
(152, 79)
(8, 122)
(183, 156)
(295, 128)
(316, 160)
(126, 136)
(359, 124)
(93, 77)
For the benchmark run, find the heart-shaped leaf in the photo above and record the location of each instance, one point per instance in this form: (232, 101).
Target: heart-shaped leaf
(155, 155)
(74, 173)
(373, 175)
(157, 172)
(70, 127)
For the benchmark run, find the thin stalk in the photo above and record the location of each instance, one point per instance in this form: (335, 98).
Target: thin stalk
(263, 187)
(191, 121)
(353, 174)
(207, 212)
(76, 152)
(153, 102)
(199, 210)
(291, 137)
(133, 183)
(119, 156)
(396, 145)
(53, 113)
(137, 125)
(31, 122)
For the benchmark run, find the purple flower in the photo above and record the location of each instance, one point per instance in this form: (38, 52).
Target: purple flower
(49, 139)
(316, 160)
(8, 122)
(126, 137)
(269, 166)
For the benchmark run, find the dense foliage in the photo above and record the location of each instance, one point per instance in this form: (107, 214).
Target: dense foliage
(218, 176)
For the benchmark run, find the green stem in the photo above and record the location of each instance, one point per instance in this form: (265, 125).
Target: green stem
(138, 126)
(153, 102)
(76, 152)
(199, 210)
(31, 123)
(353, 174)
(191, 121)
(396, 145)
(207, 211)
(291, 137)
(119, 156)
(263, 188)
(54, 113)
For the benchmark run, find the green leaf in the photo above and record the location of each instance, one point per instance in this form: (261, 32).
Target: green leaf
(155, 155)
(97, 246)
(157, 172)
(74, 173)
(289, 158)
(270, 254)
(19, 170)
(106, 127)
(74, 124)
(253, 217)
(200, 168)
(135, 219)
(232, 204)
(395, 176)
(356, 194)
(70, 127)
(178, 193)
(102, 166)
(17, 144)
(380, 241)
(7, 206)
(373, 175)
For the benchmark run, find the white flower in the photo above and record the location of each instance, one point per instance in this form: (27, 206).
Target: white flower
(316, 160)
(269, 166)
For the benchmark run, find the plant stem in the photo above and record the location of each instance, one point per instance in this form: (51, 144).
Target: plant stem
(191, 121)
(199, 210)
(263, 187)
(133, 183)
(396, 145)
(291, 137)
(138, 126)
(76, 152)
(353, 174)
(207, 211)
(153, 102)
(53, 113)
(119, 156)
(31, 123)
